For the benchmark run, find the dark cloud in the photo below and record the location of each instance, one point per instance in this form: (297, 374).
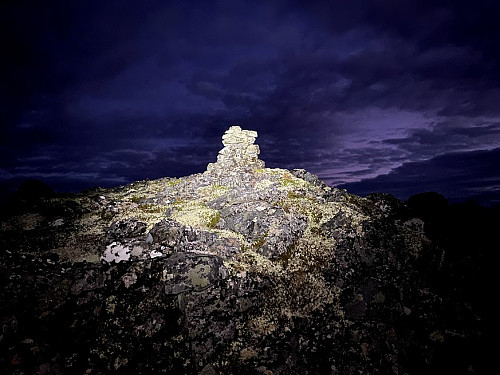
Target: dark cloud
(123, 90)
(448, 135)
(458, 176)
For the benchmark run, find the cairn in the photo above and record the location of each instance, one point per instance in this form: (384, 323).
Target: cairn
(239, 156)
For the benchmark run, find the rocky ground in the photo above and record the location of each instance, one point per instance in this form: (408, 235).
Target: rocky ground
(280, 276)
(267, 272)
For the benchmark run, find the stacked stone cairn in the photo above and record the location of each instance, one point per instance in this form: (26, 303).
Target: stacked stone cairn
(239, 156)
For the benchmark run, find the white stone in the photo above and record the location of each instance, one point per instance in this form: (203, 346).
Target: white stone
(115, 252)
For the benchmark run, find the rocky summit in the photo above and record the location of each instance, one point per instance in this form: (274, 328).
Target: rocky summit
(241, 269)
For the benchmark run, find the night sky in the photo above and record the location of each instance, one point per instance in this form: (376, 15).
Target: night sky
(374, 96)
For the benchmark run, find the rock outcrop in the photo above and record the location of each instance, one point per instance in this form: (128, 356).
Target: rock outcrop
(239, 270)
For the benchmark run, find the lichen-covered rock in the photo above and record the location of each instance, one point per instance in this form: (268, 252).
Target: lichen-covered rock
(239, 270)
(192, 272)
(126, 229)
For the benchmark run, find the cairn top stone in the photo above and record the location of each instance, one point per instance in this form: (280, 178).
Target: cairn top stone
(239, 154)
(235, 135)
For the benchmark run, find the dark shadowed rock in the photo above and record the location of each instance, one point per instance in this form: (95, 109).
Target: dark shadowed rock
(32, 190)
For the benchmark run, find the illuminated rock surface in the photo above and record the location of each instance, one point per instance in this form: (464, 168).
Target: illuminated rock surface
(239, 151)
(239, 270)
(238, 161)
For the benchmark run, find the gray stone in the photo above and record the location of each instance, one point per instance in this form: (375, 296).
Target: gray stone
(239, 156)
